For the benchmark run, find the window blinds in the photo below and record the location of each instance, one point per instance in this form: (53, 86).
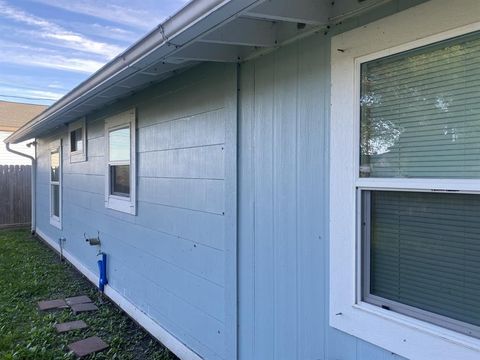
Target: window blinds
(425, 251)
(420, 112)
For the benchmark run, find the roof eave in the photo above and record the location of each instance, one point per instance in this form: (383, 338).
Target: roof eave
(173, 33)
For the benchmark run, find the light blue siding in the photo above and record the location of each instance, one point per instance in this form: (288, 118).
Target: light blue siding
(170, 260)
(283, 215)
(195, 261)
(282, 197)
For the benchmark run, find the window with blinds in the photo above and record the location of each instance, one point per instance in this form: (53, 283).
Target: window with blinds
(420, 112)
(420, 119)
(424, 252)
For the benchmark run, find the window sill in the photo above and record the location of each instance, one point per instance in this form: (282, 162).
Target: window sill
(428, 328)
(56, 222)
(404, 335)
(77, 156)
(121, 204)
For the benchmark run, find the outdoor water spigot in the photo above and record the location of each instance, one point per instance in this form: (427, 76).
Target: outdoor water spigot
(93, 240)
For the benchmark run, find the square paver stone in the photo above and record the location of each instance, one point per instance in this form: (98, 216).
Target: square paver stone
(71, 325)
(78, 300)
(78, 308)
(52, 304)
(88, 346)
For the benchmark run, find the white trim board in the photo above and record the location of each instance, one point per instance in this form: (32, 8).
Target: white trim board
(429, 22)
(168, 340)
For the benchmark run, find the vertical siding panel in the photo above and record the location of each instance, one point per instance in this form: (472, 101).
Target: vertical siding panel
(246, 203)
(340, 345)
(285, 195)
(312, 223)
(367, 351)
(264, 209)
(230, 198)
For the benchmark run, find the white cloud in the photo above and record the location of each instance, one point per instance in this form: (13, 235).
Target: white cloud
(146, 17)
(54, 62)
(106, 32)
(58, 35)
(25, 55)
(30, 92)
(55, 85)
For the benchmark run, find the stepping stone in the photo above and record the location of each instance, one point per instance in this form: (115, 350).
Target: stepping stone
(78, 308)
(88, 346)
(72, 325)
(78, 300)
(52, 304)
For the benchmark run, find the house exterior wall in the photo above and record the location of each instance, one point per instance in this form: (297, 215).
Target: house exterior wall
(176, 259)
(283, 217)
(283, 237)
(169, 260)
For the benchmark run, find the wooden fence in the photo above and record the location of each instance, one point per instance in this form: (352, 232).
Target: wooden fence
(15, 195)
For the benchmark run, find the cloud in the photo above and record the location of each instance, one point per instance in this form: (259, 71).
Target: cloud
(25, 55)
(55, 85)
(146, 17)
(58, 35)
(54, 62)
(108, 32)
(30, 92)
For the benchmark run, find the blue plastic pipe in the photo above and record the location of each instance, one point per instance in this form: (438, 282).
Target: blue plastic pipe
(102, 267)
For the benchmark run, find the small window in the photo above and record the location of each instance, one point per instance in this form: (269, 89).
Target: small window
(120, 151)
(56, 184)
(78, 141)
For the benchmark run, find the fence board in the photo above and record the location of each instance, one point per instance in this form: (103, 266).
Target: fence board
(15, 195)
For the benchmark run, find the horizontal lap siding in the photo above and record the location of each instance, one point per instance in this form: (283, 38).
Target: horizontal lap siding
(169, 260)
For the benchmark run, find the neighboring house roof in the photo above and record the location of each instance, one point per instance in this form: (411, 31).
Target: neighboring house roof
(14, 115)
(204, 30)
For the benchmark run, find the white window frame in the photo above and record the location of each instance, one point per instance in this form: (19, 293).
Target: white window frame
(56, 220)
(407, 336)
(79, 155)
(115, 202)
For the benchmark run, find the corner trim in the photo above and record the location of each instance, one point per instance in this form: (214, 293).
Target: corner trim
(168, 340)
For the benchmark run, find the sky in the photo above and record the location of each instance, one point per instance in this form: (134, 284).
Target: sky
(47, 47)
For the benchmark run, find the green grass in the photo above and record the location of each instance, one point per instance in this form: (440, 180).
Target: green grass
(29, 272)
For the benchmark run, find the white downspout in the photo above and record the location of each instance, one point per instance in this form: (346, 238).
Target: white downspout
(33, 182)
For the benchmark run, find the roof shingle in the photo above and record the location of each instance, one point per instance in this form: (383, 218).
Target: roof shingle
(13, 115)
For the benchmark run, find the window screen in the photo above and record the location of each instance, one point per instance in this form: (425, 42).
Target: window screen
(55, 200)
(55, 183)
(120, 177)
(420, 112)
(119, 145)
(424, 252)
(55, 166)
(119, 161)
(76, 140)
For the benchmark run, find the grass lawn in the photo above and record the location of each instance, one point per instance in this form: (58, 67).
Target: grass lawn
(29, 272)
